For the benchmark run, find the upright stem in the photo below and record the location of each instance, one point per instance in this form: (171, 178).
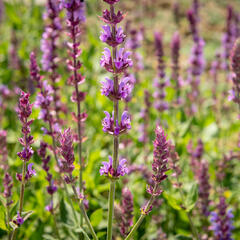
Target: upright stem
(115, 142)
(55, 220)
(8, 219)
(143, 215)
(84, 214)
(79, 130)
(56, 158)
(21, 197)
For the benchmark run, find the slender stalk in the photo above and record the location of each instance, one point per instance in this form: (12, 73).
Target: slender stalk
(143, 215)
(115, 142)
(8, 220)
(56, 158)
(55, 225)
(21, 197)
(84, 214)
(79, 127)
(110, 209)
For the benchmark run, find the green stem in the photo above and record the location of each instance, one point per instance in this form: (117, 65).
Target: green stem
(143, 215)
(21, 197)
(110, 209)
(84, 214)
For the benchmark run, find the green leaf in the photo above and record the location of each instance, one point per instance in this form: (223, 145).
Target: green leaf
(63, 211)
(172, 201)
(183, 237)
(3, 200)
(192, 197)
(2, 219)
(26, 215)
(184, 128)
(96, 217)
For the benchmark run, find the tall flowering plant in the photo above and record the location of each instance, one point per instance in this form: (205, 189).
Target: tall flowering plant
(116, 61)
(75, 16)
(24, 111)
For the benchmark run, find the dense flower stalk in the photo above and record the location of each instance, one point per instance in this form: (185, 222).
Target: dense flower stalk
(160, 82)
(228, 38)
(49, 50)
(235, 65)
(196, 61)
(204, 188)
(126, 212)
(159, 168)
(145, 115)
(67, 167)
(3, 150)
(75, 17)
(175, 54)
(221, 221)
(115, 61)
(24, 111)
(51, 188)
(196, 155)
(176, 12)
(5, 94)
(215, 67)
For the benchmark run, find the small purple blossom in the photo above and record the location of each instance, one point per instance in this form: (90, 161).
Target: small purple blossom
(107, 37)
(111, 2)
(107, 168)
(112, 18)
(19, 219)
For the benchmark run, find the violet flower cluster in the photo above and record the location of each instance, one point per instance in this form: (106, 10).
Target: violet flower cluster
(24, 111)
(3, 150)
(67, 152)
(126, 212)
(196, 155)
(44, 98)
(51, 188)
(160, 82)
(7, 184)
(159, 167)
(235, 65)
(117, 62)
(49, 49)
(175, 54)
(204, 188)
(196, 61)
(221, 221)
(228, 38)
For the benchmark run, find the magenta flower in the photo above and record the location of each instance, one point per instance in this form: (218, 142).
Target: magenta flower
(107, 87)
(106, 36)
(124, 89)
(111, 1)
(19, 219)
(107, 168)
(122, 60)
(108, 124)
(112, 19)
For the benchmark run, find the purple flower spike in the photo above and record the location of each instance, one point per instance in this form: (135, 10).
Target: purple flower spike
(107, 168)
(67, 152)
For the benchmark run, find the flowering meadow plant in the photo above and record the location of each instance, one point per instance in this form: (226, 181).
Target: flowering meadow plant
(119, 119)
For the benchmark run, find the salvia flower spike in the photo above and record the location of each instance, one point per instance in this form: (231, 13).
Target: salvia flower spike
(116, 61)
